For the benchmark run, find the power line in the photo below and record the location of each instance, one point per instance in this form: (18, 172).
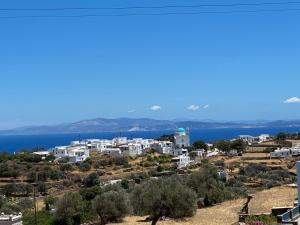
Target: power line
(150, 14)
(152, 7)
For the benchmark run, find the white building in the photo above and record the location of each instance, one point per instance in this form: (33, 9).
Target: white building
(74, 153)
(146, 143)
(43, 154)
(179, 151)
(248, 139)
(163, 147)
(120, 141)
(252, 140)
(286, 152)
(182, 138)
(200, 153)
(264, 137)
(131, 149)
(181, 161)
(97, 144)
(113, 151)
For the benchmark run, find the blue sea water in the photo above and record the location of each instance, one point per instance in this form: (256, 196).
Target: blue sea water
(12, 143)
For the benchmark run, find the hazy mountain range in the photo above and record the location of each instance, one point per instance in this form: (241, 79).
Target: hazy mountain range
(143, 124)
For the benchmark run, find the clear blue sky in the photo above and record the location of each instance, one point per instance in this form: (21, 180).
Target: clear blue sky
(240, 66)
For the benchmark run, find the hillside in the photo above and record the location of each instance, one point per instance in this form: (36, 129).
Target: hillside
(141, 124)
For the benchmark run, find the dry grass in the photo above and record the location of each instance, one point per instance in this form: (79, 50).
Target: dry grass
(227, 212)
(264, 201)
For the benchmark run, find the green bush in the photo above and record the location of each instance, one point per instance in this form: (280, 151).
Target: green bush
(91, 180)
(43, 218)
(206, 182)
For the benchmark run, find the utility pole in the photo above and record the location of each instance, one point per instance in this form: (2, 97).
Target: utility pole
(35, 209)
(34, 199)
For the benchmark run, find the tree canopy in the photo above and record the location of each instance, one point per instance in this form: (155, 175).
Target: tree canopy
(200, 145)
(207, 184)
(226, 146)
(68, 210)
(111, 206)
(91, 180)
(164, 197)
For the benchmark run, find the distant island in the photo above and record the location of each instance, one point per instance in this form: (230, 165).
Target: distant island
(141, 124)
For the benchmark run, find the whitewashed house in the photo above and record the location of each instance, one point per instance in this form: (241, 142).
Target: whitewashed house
(146, 143)
(112, 151)
(43, 154)
(74, 153)
(264, 138)
(60, 151)
(200, 153)
(163, 147)
(181, 161)
(78, 154)
(254, 140)
(286, 152)
(131, 149)
(179, 151)
(248, 139)
(281, 153)
(120, 141)
(98, 144)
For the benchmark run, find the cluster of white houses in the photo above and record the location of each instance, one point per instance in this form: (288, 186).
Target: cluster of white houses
(79, 151)
(286, 152)
(254, 140)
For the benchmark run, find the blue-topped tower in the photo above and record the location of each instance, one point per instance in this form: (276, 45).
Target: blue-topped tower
(182, 138)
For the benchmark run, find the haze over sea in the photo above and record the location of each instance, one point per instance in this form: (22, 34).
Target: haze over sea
(13, 143)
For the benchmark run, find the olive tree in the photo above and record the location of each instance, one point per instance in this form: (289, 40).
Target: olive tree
(69, 209)
(207, 184)
(164, 197)
(111, 206)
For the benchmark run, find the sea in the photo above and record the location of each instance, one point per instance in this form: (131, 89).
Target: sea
(14, 143)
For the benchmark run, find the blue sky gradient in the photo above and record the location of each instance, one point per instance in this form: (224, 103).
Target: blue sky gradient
(239, 66)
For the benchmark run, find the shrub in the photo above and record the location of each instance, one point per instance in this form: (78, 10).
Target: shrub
(42, 188)
(43, 218)
(260, 220)
(200, 145)
(254, 169)
(14, 189)
(91, 180)
(206, 182)
(84, 166)
(89, 194)
(66, 167)
(159, 169)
